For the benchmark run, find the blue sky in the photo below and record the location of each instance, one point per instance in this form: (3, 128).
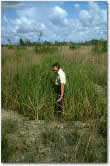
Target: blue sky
(75, 21)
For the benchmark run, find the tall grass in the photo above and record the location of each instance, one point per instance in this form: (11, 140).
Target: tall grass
(46, 49)
(27, 87)
(30, 90)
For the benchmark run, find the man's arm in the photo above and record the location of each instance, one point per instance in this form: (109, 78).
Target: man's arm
(62, 89)
(62, 92)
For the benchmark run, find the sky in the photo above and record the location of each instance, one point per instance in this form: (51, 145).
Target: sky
(76, 21)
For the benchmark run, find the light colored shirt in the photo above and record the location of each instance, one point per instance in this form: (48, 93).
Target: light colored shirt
(61, 78)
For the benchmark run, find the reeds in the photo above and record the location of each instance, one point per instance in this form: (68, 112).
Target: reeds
(27, 82)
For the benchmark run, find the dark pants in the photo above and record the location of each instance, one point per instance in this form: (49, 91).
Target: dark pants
(58, 109)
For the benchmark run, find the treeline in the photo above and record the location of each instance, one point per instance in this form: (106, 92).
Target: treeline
(95, 42)
(57, 43)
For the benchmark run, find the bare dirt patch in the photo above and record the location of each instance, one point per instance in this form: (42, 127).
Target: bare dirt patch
(34, 141)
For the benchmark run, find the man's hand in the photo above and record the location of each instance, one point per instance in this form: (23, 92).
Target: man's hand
(59, 99)
(62, 91)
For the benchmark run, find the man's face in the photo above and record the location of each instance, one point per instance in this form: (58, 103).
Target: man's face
(55, 69)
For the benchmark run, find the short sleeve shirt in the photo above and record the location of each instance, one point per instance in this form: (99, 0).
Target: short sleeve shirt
(61, 78)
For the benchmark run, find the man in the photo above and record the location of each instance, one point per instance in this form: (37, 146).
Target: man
(59, 89)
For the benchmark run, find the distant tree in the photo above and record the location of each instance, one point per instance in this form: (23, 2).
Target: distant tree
(21, 41)
(9, 41)
(46, 43)
(39, 36)
(28, 42)
(56, 43)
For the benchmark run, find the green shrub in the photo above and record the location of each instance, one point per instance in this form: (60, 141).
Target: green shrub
(74, 47)
(10, 46)
(100, 47)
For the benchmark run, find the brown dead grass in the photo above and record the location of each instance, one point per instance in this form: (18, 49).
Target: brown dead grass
(12, 62)
(84, 55)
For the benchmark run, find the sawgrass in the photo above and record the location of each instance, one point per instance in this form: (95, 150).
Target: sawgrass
(27, 82)
(27, 87)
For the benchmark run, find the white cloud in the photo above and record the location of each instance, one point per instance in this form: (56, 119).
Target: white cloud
(59, 12)
(27, 12)
(24, 25)
(95, 19)
(59, 16)
(27, 21)
(56, 23)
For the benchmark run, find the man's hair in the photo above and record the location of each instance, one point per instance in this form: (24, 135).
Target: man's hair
(56, 64)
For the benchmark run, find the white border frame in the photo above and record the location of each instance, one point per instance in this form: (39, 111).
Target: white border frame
(108, 92)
